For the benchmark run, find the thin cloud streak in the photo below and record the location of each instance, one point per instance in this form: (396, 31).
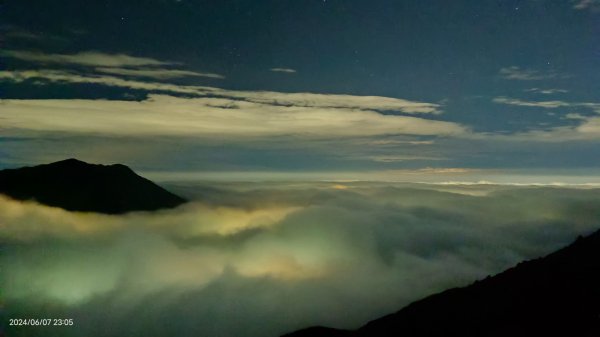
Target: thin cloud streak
(538, 104)
(88, 58)
(157, 73)
(586, 4)
(547, 104)
(520, 74)
(547, 91)
(283, 70)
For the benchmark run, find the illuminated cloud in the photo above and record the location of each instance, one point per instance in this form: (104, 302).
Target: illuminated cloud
(157, 73)
(30, 221)
(358, 250)
(335, 101)
(59, 76)
(114, 63)
(545, 104)
(266, 97)
(427, 174)
(167, 115)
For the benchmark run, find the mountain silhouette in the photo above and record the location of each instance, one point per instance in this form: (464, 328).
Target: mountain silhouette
(78, 186)
(557, 295)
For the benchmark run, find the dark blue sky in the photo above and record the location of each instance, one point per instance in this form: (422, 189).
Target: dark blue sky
(516, 83)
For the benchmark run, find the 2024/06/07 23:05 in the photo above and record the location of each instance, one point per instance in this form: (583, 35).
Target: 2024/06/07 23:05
(41, 321)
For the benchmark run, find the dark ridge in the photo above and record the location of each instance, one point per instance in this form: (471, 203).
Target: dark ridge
(557, 295)
(78, 186)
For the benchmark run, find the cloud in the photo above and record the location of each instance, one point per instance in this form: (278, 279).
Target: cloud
(21, 221)
(212, 117)
(547, 91)
(115, 64)
(336, 101)
(395, 142)
(575, 116)
(547, 104)
(28, 35)
(400, 158)
(12, 32)
(88, 58)
(157, 73)
(427, 174)
(265, 97)
(587, 130)
(517, 73)
(59, 76)
(293, 255)
(283, 70)
(586, 4)
(543, 104)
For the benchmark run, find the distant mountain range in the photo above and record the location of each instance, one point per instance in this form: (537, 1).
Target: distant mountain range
(557, 295)
(78, 186)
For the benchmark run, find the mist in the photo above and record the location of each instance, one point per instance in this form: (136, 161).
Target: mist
(263, 259)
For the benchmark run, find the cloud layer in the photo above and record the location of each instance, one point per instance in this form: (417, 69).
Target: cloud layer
(316, 115)
(261, 260)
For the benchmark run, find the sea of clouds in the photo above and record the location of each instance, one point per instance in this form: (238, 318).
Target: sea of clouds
(263, 259)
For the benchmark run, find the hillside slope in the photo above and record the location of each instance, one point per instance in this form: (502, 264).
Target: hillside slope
(557, 295)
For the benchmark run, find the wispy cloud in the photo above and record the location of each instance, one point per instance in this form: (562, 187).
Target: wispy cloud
(545, 104)
(217, 112)
(575, 116)
(546, 91)
(587, 129)
(586, 4)
(395, 142)
(157, 73)
(126, 65)
(18, 33)
(283, 70)
(542, 104)
(264, 97)
(401, 158)
(88, 58)
(517, 73)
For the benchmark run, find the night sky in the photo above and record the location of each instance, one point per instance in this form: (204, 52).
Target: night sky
(279, 86)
